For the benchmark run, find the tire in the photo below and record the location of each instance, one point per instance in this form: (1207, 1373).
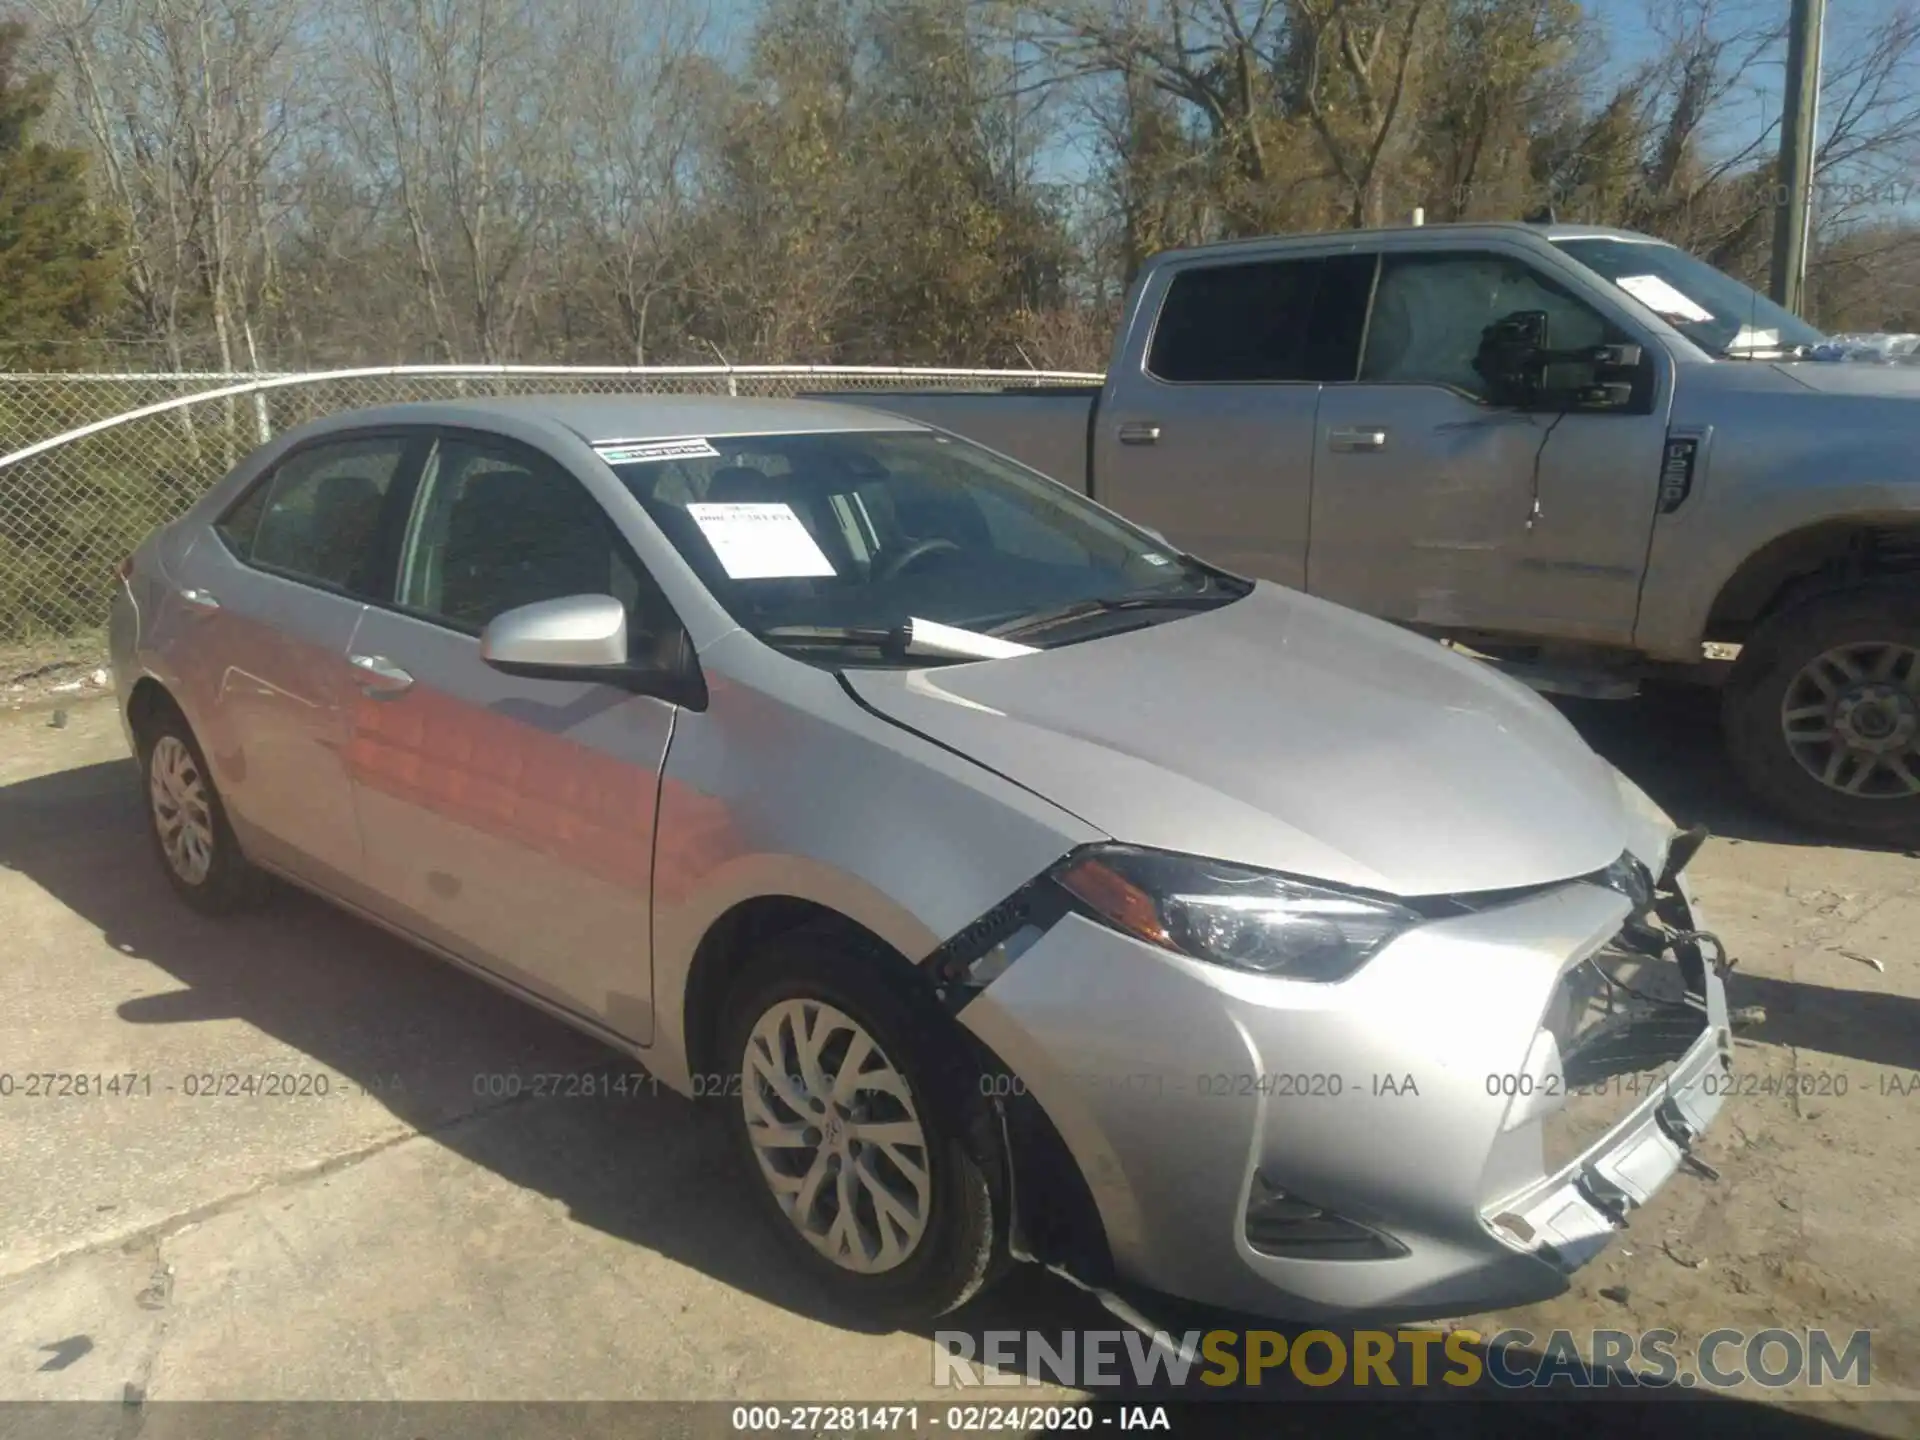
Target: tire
(1775, 684)
(207, 869)
(824, 973)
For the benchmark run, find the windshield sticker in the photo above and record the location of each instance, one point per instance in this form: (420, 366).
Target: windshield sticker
(1751, 339)
(1661, 298)
(1155, 558)
(635, 452)
(761, 541)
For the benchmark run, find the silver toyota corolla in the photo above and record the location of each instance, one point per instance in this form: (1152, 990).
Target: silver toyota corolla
(1017, 886)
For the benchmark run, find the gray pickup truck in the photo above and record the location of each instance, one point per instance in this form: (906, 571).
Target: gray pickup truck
(1582, 453)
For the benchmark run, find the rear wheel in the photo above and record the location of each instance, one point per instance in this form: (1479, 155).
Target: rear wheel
(1822, 713)
(873, 1156)
(197, 849)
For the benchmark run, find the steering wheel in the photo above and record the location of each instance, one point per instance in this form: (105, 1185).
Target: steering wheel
(914, 554)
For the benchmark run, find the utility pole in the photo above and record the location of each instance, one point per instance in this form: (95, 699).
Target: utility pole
(1799, 122)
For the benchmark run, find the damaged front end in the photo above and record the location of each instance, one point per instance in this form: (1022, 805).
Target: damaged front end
(1300, 1185)
(1629, 1067)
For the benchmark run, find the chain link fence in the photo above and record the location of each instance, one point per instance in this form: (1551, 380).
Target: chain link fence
(85, 475)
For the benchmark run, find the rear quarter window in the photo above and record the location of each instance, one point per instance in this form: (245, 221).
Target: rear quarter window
(238, 526)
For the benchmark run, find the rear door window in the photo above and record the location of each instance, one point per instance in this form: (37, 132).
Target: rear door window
(320, 519)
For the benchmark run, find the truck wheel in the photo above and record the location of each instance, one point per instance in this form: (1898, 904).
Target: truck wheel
(872, 1154)
(1822, 713)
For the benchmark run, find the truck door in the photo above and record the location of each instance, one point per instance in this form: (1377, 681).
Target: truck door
(1205, 429)
(1424, 494)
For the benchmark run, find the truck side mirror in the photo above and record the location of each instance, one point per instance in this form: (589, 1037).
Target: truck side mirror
(1523, 372)
(1510, 356)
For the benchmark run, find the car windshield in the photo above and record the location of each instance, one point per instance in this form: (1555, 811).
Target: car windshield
(817, 542)
(1706, 305)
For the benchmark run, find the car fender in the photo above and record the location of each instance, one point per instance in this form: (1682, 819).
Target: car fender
(788, 787)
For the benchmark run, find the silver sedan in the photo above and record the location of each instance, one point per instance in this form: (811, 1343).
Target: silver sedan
(1016, 886)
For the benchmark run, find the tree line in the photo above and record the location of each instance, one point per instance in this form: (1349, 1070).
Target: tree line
(233, 184)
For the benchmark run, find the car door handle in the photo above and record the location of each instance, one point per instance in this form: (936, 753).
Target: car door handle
(199, 599)
(1365, 437)
(379, 676)
(1139, 432)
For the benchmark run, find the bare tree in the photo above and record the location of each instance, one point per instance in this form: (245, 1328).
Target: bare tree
(645, 94)
(318, 181)
(466, 128)
(189, 105)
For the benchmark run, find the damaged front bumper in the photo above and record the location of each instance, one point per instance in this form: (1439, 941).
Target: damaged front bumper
(1458, 1126)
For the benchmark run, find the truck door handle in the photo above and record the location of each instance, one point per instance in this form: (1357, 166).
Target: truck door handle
(199, 599)
(1139, 432)
(379, 676)
(1359, 438)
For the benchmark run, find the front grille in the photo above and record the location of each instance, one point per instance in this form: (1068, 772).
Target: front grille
(1621, 1019)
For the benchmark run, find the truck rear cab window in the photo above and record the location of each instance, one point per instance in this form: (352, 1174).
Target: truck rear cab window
(1265, 320)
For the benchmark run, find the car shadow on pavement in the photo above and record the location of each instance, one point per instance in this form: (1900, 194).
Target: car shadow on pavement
(1878, 1028)
(446, 1054)
(457, 1062)
(1667, 740)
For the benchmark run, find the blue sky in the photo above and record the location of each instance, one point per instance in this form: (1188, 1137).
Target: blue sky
(1635, 37)
(1636, 30)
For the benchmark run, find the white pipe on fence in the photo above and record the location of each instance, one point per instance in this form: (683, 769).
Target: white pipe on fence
(255, 384)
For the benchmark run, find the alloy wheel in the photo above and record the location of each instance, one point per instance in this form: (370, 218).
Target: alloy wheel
(837, 1136)
(1851, 718)
(182, 814)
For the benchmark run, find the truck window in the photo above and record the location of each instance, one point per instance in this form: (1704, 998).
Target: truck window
(1265, 320)
(1429, 312)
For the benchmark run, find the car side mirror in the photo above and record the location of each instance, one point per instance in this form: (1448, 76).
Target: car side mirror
(584, 638)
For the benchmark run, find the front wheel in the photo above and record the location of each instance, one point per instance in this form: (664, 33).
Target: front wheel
(872, 1155)
(1822, 713)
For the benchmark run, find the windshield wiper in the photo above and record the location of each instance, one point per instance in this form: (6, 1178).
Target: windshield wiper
(1107, 605)
(915, 637)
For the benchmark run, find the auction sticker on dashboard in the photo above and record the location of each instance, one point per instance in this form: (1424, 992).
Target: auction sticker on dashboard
(637, 452)
(1663, 298)
(760, 541)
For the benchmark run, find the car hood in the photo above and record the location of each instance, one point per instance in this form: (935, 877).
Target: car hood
(1288, 733)
(1899, 382)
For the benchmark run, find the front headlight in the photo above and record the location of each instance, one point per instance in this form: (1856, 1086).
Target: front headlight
(1229, 915)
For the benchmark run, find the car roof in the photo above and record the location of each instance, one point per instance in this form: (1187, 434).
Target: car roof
(600, 418)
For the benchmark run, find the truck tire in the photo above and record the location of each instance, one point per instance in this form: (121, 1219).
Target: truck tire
(1822, 713)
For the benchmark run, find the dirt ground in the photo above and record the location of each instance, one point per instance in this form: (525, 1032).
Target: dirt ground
(408, 1235)
(53, 673)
